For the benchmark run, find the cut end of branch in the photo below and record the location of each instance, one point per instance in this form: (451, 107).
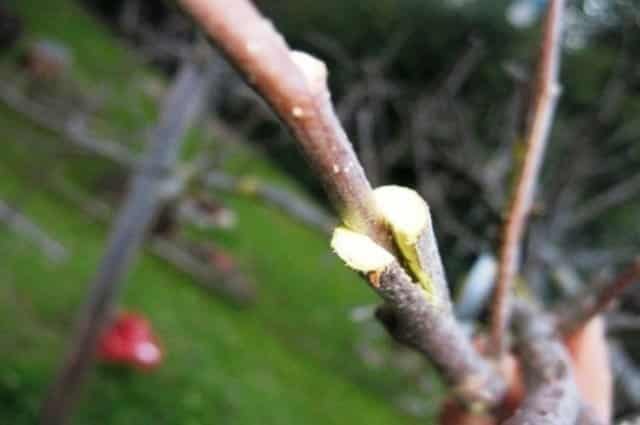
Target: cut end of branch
(404, 209)
(359, 252)
(314, 71)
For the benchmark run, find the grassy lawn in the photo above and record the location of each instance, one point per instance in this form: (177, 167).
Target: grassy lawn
(289, 359)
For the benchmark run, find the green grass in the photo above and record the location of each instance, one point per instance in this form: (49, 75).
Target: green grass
(289, 359)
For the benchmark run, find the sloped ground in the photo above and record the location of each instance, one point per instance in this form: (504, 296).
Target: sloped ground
(289, 359)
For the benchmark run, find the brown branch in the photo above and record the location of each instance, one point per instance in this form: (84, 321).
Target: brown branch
(128, 231)
(579, 310)
(294, 84)
(541, 114)
(552, 396)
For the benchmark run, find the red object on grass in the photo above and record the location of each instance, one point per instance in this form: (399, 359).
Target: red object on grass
(129, 340)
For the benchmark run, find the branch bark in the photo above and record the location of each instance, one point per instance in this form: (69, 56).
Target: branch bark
(539, 124)
(181, 107)
(295, 87)
(294, 84)
(552, 396)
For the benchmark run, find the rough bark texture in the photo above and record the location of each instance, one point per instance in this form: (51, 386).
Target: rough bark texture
(414, 322)
(261, 54)
(552, 396)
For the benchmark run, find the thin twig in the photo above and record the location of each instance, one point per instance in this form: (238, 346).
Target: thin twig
(540, 119)
(579, 310)
(181, 106)
(25, 227)
(614, 196)
(294, 84)
(286, 201)
(298, 94)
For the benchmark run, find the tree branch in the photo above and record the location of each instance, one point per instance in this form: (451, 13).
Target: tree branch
(289, 203)
(552, 396)
(582, 308)
(181, 106)
(539, 124)
(294, 84)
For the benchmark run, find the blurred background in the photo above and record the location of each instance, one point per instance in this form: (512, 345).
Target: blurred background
(254, 319)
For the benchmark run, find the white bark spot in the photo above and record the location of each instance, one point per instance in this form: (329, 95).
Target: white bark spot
(253, 47)
(297, 112)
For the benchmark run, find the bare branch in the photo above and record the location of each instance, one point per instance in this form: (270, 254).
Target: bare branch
(539, 124)
(182, 105)
(552, 396)
(579, 310)
(295, 86)
(613, 197)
